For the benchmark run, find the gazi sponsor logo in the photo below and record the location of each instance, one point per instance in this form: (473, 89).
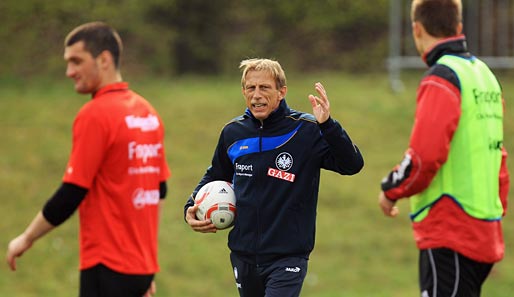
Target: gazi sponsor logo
(284, 162)
(143, 151)
(142, 198)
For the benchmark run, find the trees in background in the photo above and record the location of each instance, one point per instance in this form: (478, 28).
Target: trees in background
(168, 37)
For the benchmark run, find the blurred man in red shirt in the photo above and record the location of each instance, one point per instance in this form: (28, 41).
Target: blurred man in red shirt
(116, 174)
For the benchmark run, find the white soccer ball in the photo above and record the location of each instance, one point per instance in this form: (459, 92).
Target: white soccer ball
(217, 202)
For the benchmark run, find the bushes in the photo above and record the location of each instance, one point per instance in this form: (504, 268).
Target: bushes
(196, 36)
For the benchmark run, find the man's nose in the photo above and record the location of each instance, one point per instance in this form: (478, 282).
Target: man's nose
(257, 93)
(70, 71)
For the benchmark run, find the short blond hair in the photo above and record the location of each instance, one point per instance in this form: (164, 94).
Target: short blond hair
(270, 66)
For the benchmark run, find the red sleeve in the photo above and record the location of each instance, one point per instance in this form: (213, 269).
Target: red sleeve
(89, 145)
(165, 172)
(504, 181)
(437, 116)
(504, 177)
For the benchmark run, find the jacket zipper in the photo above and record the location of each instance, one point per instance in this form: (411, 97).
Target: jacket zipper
(259, 233)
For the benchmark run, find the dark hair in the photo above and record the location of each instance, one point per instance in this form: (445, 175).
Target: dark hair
(97, 37)
(439, 17)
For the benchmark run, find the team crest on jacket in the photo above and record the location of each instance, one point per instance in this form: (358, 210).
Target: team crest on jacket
(283, 162)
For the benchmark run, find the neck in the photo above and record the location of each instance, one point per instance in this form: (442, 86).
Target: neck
(111, 78)
(427, 43)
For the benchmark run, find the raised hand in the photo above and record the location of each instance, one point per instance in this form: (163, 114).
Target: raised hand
(320, 105)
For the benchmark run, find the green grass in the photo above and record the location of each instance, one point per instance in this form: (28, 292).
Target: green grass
(358, 251)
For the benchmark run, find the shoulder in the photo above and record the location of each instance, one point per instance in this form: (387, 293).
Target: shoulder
(90, 110)
(444, 72)
(236, 124)
(301, 116)
(238, 119)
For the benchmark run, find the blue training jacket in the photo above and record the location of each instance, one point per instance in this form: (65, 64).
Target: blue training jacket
(275, 169)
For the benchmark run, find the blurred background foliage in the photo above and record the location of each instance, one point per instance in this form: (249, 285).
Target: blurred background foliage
(324, 40)
(175, 37)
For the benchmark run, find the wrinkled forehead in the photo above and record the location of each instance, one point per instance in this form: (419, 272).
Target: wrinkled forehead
(259, 77)
(262, 76)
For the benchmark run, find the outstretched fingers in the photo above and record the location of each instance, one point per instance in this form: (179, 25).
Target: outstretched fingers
(320, 104)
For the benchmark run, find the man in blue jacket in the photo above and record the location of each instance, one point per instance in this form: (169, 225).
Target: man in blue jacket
(273, 156)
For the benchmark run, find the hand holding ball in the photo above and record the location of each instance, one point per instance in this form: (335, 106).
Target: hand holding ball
(217, 201)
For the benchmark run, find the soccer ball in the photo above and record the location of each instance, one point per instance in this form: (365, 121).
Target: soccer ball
(217, 202)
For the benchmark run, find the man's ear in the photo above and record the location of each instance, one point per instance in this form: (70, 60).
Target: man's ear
(105, 59)
(459, 28)
(282, 91)
(417, 29)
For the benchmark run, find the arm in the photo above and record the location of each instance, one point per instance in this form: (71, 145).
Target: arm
(504, 181)
(151, 290)
(56, 210)
(387, 205)
(163, 190)
(345, 152)
(220, 169)
(437, 113)
(37, 228)
(504, 175)
(345, 157)
(205, 226)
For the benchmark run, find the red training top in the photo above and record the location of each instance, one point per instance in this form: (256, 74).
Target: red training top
(437, 116)
(118, 155)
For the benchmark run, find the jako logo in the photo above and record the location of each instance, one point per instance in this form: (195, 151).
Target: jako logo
(293, 269)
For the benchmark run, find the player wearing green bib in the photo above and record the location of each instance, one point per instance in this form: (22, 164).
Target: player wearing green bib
(454, 171)
(475, 146)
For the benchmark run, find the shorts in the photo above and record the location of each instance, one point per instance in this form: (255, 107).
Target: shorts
(282, 278)
(100, 281)
(446, 273)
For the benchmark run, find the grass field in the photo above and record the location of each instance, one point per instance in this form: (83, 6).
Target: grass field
(358, 251)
